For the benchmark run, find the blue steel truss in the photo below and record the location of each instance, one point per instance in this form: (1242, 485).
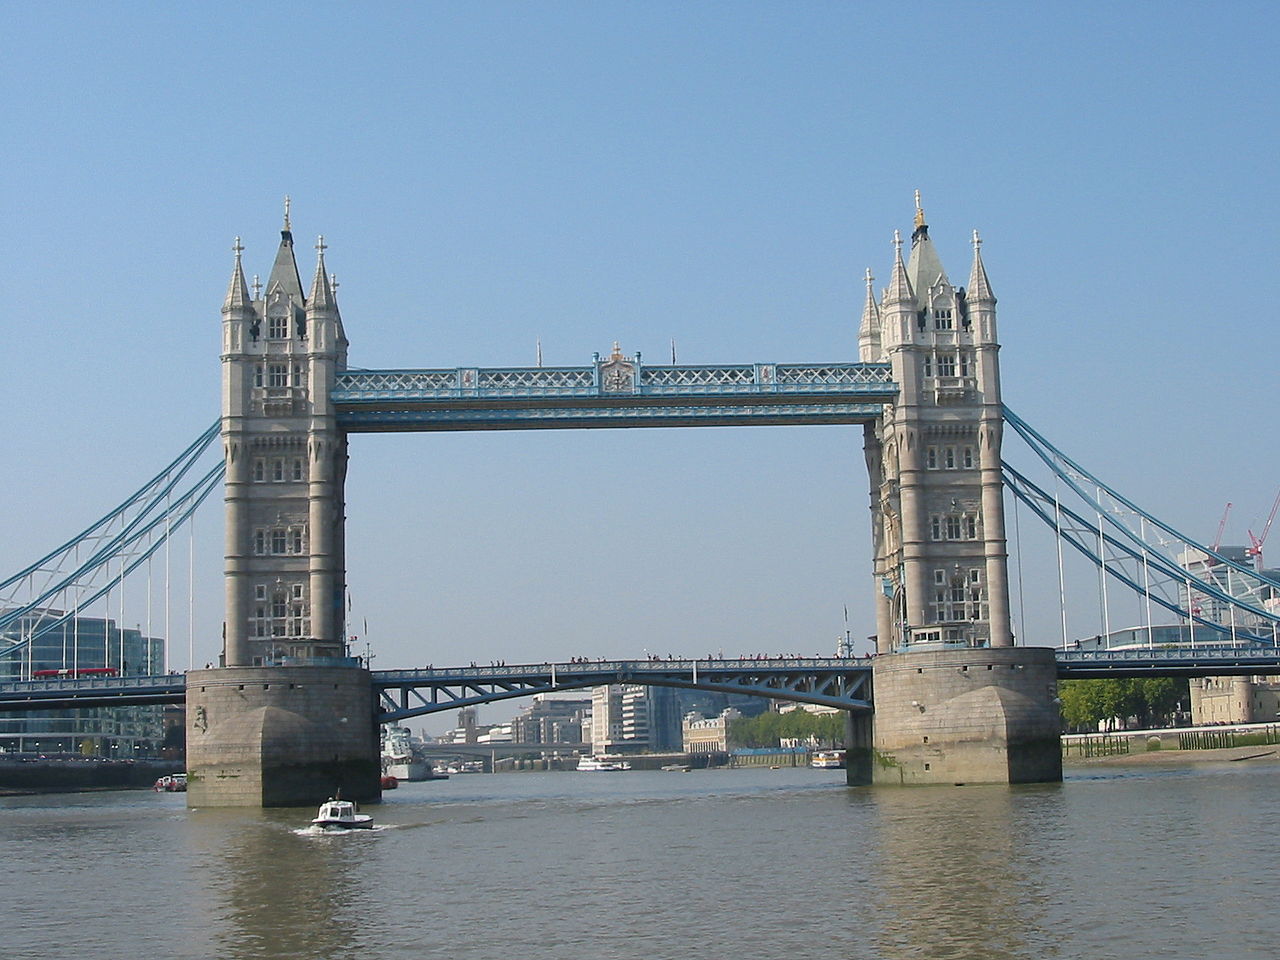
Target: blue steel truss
(619, 392)
(842, 682)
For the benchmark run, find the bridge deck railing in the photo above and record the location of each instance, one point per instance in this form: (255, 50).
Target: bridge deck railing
(593, 668)
(480, 383)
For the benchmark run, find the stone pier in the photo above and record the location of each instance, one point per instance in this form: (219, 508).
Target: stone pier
(954, 715)
(280, 736)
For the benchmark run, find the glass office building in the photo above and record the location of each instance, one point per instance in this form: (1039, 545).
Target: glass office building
(45, 643)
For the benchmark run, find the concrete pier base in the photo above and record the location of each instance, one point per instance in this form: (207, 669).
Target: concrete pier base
(960, 715)
(280, 736)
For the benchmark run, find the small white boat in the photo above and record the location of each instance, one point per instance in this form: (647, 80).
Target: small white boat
(342, 815)
(601, 765)
(828, 760)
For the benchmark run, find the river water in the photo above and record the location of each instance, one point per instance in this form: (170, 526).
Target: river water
(1131, 863)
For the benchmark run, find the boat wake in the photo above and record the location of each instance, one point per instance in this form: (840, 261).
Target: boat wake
(315, 830)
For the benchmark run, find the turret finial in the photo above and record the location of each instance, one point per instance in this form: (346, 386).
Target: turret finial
(977, 240)
(897, 242)
(919, 212)
(870, 278)
(321, 246)
(257, 287)
(333, 282)
(238, 247)
(286, 212)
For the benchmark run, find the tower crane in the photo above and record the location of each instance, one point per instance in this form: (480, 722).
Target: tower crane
(1255, 542)
(1217, 537)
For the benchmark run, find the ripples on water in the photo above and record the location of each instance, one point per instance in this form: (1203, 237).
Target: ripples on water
(1129, 863)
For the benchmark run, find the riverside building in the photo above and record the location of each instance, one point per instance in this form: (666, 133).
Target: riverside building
(629, 717)
(80, 646)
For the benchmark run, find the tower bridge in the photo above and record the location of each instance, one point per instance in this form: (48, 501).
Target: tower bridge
(286, 714)
(925, 388)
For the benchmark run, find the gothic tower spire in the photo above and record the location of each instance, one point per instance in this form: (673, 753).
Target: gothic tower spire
(900, 290)
(321, 292)
(869, 329)
(237, 300)
(979, 285)
(924, 269)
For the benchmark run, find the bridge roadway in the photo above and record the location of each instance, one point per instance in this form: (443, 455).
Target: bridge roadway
(833, 681)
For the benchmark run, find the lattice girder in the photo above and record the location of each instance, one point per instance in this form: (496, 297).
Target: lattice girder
(836, 682)
(615, 393)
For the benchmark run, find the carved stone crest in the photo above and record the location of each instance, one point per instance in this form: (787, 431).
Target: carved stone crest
(618, 373)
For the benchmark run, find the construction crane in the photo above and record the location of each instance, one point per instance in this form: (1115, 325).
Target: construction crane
(1222, 524)
(1255, 542)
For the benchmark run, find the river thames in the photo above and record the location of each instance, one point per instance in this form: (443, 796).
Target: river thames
(1124, 862)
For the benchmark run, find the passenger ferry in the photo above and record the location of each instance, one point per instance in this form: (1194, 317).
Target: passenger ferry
(602, 765)
(828, 760)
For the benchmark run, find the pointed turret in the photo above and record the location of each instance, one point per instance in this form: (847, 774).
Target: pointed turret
(898, 309)
(237, 299)
(900, 289)
(981, 302)
(979, 285)
(924, 269)
(321, 292)
(323, 319)
(284, 272)
(869, 329)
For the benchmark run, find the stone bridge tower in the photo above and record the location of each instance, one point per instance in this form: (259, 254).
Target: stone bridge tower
(940, 558)
(285, 720)
(955, 701)
(286, 463)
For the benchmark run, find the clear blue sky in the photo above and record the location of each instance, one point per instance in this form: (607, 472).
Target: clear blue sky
(716, 173)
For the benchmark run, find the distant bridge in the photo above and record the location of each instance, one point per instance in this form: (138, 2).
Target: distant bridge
(842, 682)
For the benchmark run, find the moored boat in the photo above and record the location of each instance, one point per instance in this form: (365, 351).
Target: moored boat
(171, 783)
(399, 758)
(828, 760)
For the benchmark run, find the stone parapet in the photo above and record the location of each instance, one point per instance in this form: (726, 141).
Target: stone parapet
(280, 736)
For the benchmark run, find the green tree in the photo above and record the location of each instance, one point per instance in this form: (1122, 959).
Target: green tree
(770, 728)
(1151, 701)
